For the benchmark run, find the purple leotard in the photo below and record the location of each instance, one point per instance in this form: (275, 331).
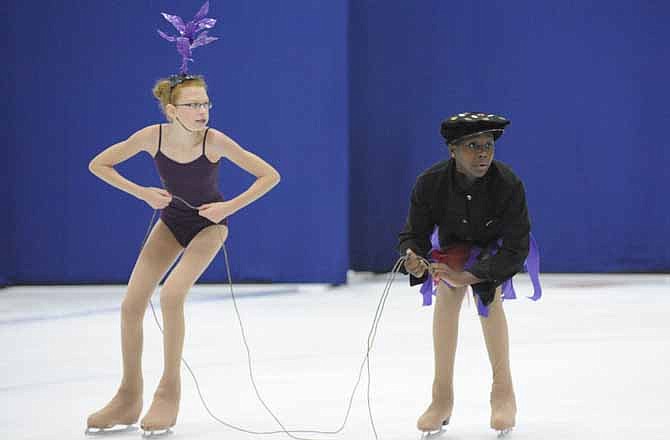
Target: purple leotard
(196, 182)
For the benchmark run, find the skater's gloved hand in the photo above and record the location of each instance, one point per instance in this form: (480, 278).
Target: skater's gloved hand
(414, 265)
(157, 198)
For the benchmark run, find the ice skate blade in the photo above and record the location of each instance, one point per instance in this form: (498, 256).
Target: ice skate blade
(504, 433)
(430, 435)
(156, 433)
(114, 430)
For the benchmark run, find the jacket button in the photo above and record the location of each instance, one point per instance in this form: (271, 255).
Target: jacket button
(464, 221)
(469, 197)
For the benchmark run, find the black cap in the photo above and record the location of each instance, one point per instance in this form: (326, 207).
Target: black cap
(465, 125)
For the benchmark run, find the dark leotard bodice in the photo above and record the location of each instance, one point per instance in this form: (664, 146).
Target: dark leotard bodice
(196, 181)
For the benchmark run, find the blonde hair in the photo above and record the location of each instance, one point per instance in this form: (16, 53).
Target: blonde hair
(166, 94)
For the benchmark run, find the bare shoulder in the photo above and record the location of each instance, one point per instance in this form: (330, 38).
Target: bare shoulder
(219, 144)
(145, 139)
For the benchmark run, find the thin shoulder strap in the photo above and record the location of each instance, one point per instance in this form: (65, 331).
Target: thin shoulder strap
(160, 135)
(204, 139)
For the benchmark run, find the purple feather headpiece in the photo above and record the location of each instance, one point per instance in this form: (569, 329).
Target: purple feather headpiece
(188, 38)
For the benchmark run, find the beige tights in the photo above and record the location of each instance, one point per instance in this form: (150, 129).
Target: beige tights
(445, 335)
(503, 401)
(158, 254)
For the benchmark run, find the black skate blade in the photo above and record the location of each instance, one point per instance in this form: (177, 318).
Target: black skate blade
(109, 432)
(156, 433)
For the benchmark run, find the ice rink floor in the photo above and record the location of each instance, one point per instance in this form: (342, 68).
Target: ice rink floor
(590, 360)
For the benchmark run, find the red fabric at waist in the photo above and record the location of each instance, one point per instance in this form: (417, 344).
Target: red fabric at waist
(454, 255)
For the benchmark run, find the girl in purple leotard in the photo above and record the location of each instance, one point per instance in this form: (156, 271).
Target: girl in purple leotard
(192, 224)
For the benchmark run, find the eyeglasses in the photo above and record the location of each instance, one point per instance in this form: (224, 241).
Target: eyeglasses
(196, 105)
(474, 146)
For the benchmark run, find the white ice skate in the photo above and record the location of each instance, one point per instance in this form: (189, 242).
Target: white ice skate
(112, 430)
(431, 435)
(504, 433)
(158, 433)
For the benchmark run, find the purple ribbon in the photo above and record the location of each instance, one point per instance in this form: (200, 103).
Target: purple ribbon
(531, 265)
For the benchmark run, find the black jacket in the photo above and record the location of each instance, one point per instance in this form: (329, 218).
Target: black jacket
(492, 207)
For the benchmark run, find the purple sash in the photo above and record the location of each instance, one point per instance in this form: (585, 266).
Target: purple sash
(531, 265)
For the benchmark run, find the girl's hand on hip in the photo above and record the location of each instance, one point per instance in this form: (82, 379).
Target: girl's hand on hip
(157, 198)
(217, 211)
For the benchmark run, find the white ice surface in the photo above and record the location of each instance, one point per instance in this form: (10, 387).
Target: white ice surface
(590, 360)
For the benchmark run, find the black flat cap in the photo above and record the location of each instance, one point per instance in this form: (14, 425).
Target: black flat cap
(465, 125)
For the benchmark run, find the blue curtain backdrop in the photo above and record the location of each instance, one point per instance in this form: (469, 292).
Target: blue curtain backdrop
(278, 78)
(7, 181)
(585, 85)
(345, 99)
